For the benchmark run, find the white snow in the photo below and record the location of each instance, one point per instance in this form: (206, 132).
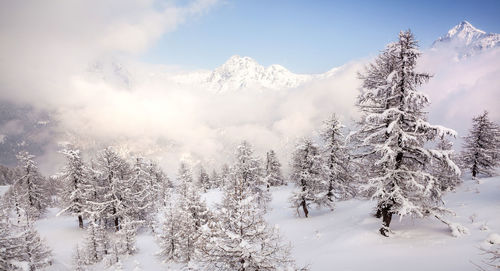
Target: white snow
(345, 239)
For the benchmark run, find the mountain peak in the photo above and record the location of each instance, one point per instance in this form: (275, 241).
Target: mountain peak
(468, 39)
(463, 30)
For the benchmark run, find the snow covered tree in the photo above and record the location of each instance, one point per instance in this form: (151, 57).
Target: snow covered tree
(79, 260)
(214, 179)
(309, 176)
(75, 188)
(482, 146)
(448, 178)
(114, 176)
(37, 254)
(11, 248)
(337, 161)
(240, 239)
(127, 236)
(204, 179)
(31, 187)
(160, 184)
(169, 239)
(393, 132)
(97, 243)
(140, 193)
(248, 168)
(273, 177)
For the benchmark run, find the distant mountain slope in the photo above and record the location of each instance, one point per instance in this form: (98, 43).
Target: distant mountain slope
(467, 40)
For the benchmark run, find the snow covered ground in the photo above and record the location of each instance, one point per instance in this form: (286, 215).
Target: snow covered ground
(345, 239)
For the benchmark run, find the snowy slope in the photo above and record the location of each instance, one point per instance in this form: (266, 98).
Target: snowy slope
(467, 40)
(345, 239)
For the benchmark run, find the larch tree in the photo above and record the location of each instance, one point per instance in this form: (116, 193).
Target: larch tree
(75, 190)
(37, 254)
(393, 132)
(273, 175)
(204, 179)
(114, 176)
(309, 176)
(31, 187)
(239, 238)
(337, 161)
(482, 146)
(249, 169)
(448, 178)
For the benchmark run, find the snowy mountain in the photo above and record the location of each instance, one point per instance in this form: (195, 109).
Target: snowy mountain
(467, 39)
(242, 73)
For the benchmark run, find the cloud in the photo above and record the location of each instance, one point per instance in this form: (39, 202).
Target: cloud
(46, 48)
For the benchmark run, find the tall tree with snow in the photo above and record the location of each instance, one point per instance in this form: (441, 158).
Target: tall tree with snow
(140, 193)
(448, 179)
(273, 175)
(240, 239)
(31, 187)
(204, 179)
(309, 176)
(114, 176)
(37, 254)
(393, 132)
(248, 168)
(337, 161)
(75, 190)
(482, 146)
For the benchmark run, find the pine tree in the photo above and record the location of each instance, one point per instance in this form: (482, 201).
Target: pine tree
(273, 177)
(193, 213)
(160, 184)
(337, 161)
(140, 193)
(482, 146)
(31, 187)
(79, 259)
(170, 237)
(75, 185)
(204, 179)
(127, 237)
(37, 254)
(393, 134)
(113, 184)
(448, 178)
(240, 239)
(309, 176)
(214, 179)
(11, 248)
(249, 170)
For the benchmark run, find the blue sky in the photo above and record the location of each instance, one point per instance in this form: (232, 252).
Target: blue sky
(311, 36)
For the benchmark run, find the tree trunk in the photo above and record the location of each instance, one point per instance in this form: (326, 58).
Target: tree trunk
(304, 207)
(386, 220)
(117, 224)
(80, 221)
(474, 171)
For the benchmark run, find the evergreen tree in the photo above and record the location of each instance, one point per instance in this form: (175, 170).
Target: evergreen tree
(308, 175)
(112, 185)
(393, 134)
(11, 248)
(31, 187)
(160, 184)
(482, 146)
(127, 237)
(214, 179)
(273, 177)
(204, 179)
(75, 185)
(79, 260)
(140, 193)
(337, 161)
(170, 237)
(37, 254)
(248, 168)
(448, 178)
(240, 239)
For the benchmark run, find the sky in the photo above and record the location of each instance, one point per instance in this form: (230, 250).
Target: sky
(49, 51)
(311, 36)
